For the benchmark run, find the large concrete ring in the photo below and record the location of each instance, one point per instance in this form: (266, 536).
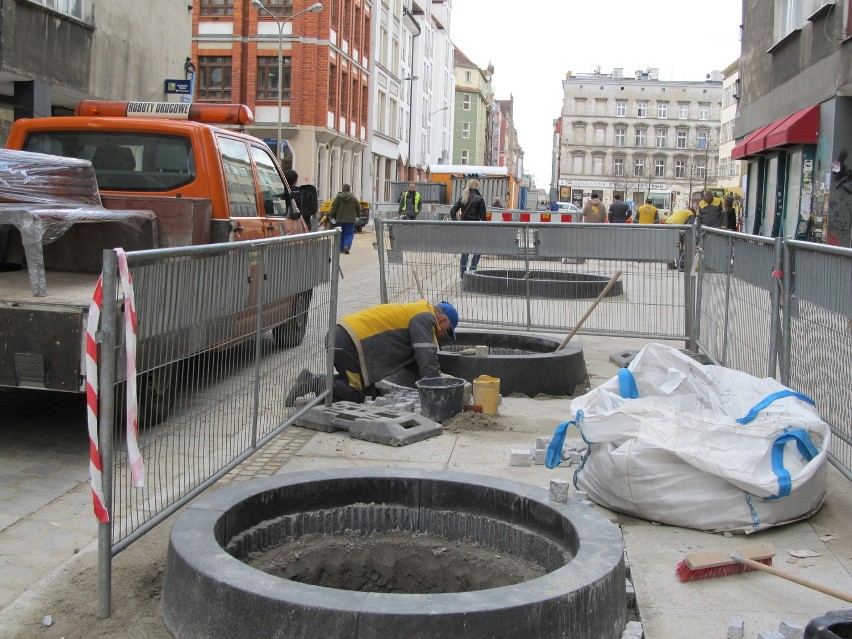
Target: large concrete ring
(548, 284)
(539, 369)
(209, 593)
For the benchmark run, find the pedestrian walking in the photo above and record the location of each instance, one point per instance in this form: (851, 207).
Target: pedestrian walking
(594, 211)
(710, 211)
(344, 211)
(469, 208)
(409, 203)
(730, 213)
(619, 212)
(378, 341)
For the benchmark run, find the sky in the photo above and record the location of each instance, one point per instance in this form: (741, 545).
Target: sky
(534, 43)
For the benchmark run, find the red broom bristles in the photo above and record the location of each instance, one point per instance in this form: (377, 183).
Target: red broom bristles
(685, 573)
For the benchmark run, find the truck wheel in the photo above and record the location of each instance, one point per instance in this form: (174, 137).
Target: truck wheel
(157, 394)
(292, 332)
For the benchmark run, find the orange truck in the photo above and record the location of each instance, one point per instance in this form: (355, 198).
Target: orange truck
(173, 170)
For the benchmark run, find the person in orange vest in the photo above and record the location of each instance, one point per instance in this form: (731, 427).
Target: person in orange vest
(647, 213)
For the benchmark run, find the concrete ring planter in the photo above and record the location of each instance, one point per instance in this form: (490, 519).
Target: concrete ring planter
(210, 593)
(549, 284)
(536, 367)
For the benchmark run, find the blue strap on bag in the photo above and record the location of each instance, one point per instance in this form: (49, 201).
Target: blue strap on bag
(806, 449)
(554, 450)
(766, 401)
(627, 384)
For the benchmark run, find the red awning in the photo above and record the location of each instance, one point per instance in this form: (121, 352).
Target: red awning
(739, 151)
(801, 127)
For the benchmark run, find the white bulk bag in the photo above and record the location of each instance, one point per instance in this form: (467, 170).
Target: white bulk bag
(703, 447)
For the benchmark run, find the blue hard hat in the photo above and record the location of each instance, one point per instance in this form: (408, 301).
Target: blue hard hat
(452, 315)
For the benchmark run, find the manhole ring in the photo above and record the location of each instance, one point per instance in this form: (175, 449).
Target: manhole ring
(208, 592)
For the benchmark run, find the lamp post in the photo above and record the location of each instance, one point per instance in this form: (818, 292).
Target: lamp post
(411, 79)
(314, 8)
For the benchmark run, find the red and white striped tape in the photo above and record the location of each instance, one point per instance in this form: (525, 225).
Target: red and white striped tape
(137, 468)
(535, 218)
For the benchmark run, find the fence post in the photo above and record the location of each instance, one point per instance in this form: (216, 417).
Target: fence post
(699, 280)
(728, 275)
(526, 233)
(689, 291)
(786, 304)
(774, 312)
(380, 246)
(332, 312)
(257, 258)
(106, 411)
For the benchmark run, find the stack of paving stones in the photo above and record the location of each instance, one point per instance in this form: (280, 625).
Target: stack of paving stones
(786, 630)
(572, 453)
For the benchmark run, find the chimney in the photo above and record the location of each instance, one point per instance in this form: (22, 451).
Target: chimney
(617, 72)
(569, 74)
(638, 74)
(716, 76)
(653, 73)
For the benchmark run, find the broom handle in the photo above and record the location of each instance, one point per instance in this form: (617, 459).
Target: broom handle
(790, 577)
(417, 281)
(589, 312)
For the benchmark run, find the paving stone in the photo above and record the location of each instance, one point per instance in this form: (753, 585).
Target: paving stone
(541, 443)
(769, 634)
(791, 630)
(559, 489)
(736, 629)
(520, 457)
(540, 458)
(622, 359)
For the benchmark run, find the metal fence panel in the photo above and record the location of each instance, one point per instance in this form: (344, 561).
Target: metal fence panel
(540, 276)
(223, 330)
(819, 312)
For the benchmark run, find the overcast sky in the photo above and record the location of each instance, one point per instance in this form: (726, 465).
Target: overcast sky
(532, 44)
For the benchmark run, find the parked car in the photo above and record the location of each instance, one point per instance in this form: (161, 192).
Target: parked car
(567, 207)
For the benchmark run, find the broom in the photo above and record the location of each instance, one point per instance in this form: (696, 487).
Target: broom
(721, 563)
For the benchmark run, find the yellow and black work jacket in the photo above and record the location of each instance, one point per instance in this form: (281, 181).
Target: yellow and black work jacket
(391, 336)
(404, 202)
(647, 214)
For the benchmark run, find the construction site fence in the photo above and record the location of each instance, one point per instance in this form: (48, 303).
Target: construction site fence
(222, 331)
(768, 307)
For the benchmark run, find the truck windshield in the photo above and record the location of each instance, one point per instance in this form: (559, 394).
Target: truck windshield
(136, 162)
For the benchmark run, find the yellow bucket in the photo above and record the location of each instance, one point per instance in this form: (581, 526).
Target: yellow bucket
(486, 393)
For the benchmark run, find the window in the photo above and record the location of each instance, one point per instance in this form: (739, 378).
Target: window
(789, 17)
(640, 137)
(618, 166)
(466, 102)
(682, 110)
(597, 164)
(662, 110)
(276, 7)
(578, 163)
(467, 76)
(332, 87)
(267, 78)
(619, 135)
(659, 168)
(681, 139)
(217, 7)
(642, 109)
(621, 108)
(702, 139)
(662, 134)
(465, 130)
(465, 157)
(271, 183)
(600, 135)
(700, 168)
(214, 77)
(579, 134)
(239, 180)
(680, 168)
(581, 105)
(600, 106)
(74, 8)
(703, 111)
(639, 167)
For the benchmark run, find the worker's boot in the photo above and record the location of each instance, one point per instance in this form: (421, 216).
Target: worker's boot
(306, 382)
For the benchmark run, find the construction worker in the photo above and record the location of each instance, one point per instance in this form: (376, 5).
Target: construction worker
(409, 203)
(647, 213)
(711, 211)
(371, 344)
